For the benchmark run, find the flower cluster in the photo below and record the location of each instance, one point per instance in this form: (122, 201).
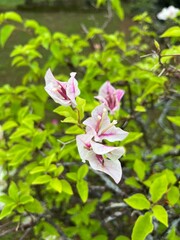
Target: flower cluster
(98, 128)
(168, 13)
(100, 156)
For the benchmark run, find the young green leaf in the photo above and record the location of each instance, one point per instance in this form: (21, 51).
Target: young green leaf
(13, 191)
(173, 195)
(172, 32)
(37, 169)
(66, 187)
(56, 184)
(81, 103)
(5, 33)
(138, 201)
(139, 168)
(160, 214)
(82, 171)
(13, 16)
(7, 210)
(143, 226)
(175, 120)
(158, 188)
(106, 196)
(42, 179)
(24, 199)
(72, 176)
(82, 187)
(116, 4)
(132, 136)
(34, 207)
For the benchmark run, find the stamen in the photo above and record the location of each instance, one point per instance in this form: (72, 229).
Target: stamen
(109, 126)
(54, 89)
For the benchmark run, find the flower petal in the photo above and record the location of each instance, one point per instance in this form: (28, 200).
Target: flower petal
(110, 167)
(84, 145)
(113, 134)
(72, 88)
(54, 89)
(101, 149)
(119, 94)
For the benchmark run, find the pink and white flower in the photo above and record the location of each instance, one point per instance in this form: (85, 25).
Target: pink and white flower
(101, 157)
(101, 127)
(64, 93)
(110, 96)
(168, 13)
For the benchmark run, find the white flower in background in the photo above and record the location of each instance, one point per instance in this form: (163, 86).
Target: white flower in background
(166, 13)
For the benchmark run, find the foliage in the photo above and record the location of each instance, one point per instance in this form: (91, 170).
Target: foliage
(46, 192)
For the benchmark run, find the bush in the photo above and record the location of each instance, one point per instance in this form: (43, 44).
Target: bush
(46, 191)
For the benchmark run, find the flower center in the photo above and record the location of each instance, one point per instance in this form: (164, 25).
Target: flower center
(111, 100)
(100, 159)
(100, 119)
(62, 91)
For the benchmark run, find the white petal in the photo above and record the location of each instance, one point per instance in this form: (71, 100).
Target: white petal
(110, 167)
(101, 149)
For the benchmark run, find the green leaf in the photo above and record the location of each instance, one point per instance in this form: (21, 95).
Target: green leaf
(75, 130)
(156, 44)
(70, 120)
(39, 139)
(106, 196)
(37, 169)
(82, 187)
(100, 237)
(116, 5)
(56, 184)
(49, 159)
(131, 181)
(160, 214)
(9, 124)
(13, 16)
(6, 199)
(148, 89)
(143, 226)
(173, 195)
(5, 33)
(140, 108)
(58, 171)
(7, 210)
(66, 111)
(24, 199)
(66, 187)
(132, 136)
(82, 171)
(158, 188)
(31, 24)
(42, 179)
(34, 207)
(139, 168)
(122, 237)
(175, 120)
(100, 2)
(172, 234)
(72, 176)
(81, 103)
(172, 32)
(138, 201)
(13, 191)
